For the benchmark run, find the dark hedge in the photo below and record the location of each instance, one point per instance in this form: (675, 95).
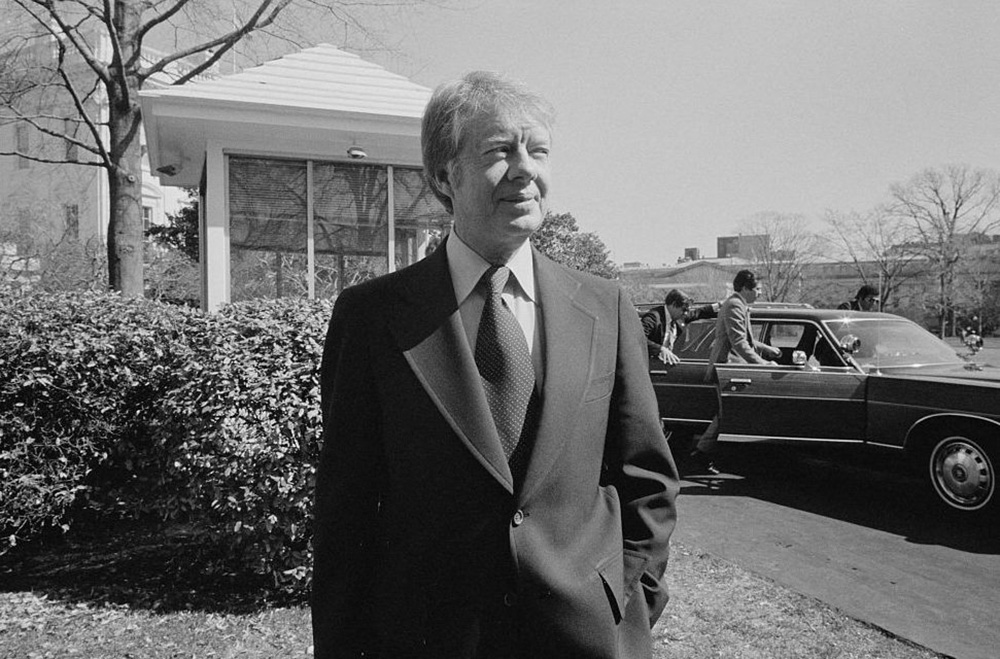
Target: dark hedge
(124, 408)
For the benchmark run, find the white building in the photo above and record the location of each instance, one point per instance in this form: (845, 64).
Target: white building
(309, 171)
(56, 201)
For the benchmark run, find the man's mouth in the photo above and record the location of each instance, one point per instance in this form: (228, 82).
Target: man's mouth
(518, 199)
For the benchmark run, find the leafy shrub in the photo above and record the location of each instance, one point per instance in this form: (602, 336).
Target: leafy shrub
(80, 375)
(128, 407)
(243, 433)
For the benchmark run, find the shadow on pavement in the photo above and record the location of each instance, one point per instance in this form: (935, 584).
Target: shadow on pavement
(871, 490)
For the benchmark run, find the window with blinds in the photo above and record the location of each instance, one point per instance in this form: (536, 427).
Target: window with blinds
(273, 247)
(267, 228)
(351, 212)
(420, 220)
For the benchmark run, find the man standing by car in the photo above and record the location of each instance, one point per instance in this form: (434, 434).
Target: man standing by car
(664, 326)
(866, 298)
(494, 481)
(734, 343)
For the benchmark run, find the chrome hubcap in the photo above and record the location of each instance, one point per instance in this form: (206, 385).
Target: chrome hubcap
(962, 473)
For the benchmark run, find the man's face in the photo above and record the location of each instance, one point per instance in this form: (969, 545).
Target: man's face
(751, 294)
(677, 311)
(498, 183)
(867, 302)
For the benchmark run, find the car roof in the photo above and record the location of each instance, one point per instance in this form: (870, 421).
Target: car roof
(817, 314)
(795, 311)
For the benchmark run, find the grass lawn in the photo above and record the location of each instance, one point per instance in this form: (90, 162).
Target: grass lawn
(136, 593)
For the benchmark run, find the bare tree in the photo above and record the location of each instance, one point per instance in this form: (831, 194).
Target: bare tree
(877, 245)
(947, 209)
(976, 288)
(72, 58)
(780, 246)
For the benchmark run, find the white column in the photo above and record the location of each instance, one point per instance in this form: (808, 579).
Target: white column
(310, 232)
(391, 229)
(215, 236)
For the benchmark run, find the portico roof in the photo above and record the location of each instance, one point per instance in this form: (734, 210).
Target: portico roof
(313, 103)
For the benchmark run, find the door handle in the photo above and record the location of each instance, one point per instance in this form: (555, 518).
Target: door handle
(736, 384)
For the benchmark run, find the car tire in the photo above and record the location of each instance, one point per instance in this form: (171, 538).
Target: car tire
(963, 474)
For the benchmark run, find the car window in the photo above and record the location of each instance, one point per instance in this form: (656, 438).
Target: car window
(893, 342)
(786, 335)
(696, 340)
(804, 335)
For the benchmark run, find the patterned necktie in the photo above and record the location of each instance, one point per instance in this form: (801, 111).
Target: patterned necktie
(504, 364)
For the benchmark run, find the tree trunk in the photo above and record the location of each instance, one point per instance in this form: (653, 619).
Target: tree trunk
(125, 224)
(125, 174)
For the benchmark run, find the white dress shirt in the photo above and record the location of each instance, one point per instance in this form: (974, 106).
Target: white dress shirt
(467, 268)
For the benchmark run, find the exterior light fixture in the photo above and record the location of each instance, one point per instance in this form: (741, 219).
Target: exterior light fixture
(356, 153)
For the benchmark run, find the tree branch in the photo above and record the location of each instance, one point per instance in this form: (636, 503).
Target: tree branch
(65, 31)
(161, 18)
(226, 41)
(82, 110)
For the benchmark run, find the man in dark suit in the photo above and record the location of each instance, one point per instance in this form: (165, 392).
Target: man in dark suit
(866, 298)
(494, 482)
(664, 326)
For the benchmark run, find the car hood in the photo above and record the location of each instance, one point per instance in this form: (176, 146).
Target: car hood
(966, 371)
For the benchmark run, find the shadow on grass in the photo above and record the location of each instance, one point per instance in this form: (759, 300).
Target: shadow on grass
(143, 566)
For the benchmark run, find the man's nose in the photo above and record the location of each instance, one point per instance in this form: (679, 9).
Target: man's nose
(522, 165)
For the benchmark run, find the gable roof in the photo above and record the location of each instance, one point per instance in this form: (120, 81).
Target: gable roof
(316, 101)
(322, 77)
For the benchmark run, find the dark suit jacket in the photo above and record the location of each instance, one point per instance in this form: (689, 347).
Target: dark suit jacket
(423, 548)
(656, 320)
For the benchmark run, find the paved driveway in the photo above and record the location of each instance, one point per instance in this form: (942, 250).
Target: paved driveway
(865, 541)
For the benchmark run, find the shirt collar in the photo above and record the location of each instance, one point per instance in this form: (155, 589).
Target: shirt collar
(467, 267)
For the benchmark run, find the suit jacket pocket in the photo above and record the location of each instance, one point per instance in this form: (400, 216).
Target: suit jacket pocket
(599, 387)
(620, 574)
(611, 571)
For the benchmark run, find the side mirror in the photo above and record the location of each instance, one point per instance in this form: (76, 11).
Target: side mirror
(850, 344)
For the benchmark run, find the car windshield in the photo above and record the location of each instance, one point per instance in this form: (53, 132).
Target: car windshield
(893, 342)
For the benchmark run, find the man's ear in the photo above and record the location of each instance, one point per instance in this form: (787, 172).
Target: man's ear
(443, 179)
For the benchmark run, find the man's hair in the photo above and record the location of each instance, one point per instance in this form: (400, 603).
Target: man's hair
(677, 298)
(744, 279)
(455, 104)
(866, 291)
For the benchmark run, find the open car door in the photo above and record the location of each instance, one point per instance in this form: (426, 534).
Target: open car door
(821, 400)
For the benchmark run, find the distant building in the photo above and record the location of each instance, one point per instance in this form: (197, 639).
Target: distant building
(59, 201)
(692, 254)
(739, 246)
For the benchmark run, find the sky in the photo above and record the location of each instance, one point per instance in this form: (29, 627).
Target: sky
(678, 120)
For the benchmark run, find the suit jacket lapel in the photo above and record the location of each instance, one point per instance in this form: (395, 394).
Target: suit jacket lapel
(569, 330)
(429, 330)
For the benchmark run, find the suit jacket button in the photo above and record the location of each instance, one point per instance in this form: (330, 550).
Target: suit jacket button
(518, 518)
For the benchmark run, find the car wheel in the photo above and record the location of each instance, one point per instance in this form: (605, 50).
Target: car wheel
(963, 473)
